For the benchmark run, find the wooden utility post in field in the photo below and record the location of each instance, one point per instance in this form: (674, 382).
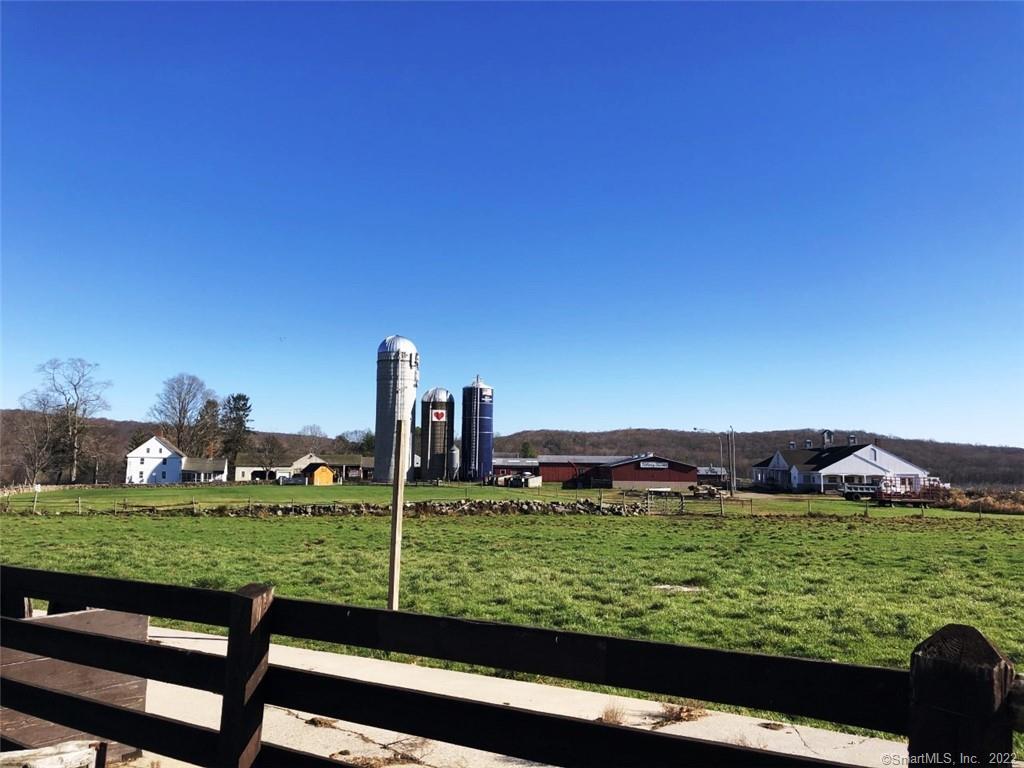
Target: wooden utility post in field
(397, 507)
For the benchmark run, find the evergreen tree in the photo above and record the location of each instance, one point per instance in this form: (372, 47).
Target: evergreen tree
(235, 414)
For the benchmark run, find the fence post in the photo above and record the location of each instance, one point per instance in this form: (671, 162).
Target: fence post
(721, 504)
(959, 698)
(241, 716)
(15, 606)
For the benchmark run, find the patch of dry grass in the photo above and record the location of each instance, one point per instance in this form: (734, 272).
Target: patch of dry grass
(613, 714)
(677, 713)
(1002, 502)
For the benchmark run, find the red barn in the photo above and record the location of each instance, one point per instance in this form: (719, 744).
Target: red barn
(641, 471)
(646, 471)
(571, 469)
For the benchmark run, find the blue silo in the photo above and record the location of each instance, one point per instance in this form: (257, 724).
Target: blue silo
(477, 431)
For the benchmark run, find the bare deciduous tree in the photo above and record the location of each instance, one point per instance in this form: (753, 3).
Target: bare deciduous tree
(35, 432)
(102, 455)
(178, 406)
(314, 439)
(269, 451)
(77, 395)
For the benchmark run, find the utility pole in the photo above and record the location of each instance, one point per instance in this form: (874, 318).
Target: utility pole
(721, 451)
(397, 509)
(732, 461)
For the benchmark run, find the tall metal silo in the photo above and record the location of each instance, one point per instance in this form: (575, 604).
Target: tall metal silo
(437, 434)
(398, 374)
(477, 430)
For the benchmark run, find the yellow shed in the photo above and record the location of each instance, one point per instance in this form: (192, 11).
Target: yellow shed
(322, 476)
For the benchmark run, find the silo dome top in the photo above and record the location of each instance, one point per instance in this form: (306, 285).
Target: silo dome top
(436, 395)
(395, 344)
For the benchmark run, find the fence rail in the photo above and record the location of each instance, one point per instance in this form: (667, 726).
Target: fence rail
(906, 702)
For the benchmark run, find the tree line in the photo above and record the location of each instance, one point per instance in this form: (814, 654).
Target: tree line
(59, 436)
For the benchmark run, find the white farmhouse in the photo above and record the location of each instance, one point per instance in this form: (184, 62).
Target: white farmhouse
(158, 461)
(830, 467)
(155, 461)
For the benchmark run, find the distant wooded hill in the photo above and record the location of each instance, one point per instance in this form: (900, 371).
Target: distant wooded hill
(959, 463)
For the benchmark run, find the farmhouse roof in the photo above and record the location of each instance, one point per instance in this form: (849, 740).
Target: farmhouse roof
(189, 464)
(826, 457)
(168, 445)
(813, 459)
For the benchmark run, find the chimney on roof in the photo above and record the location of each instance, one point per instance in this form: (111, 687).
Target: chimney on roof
(851, 439)
(808, 443)
(826, 438)
(792, 444)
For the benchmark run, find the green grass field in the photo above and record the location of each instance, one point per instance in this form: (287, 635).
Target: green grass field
(855, 590)
(859, 591)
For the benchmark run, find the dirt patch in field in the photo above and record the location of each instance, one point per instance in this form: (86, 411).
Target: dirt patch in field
(675, 589)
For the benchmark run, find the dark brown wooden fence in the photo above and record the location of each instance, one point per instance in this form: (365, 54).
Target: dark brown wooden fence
(956, 697)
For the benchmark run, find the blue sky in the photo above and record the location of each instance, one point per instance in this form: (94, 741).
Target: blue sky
(620, 215)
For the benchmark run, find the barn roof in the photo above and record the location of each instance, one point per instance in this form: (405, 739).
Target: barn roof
(572, 459)
(647, 457)
(255, 460)
(341, 459)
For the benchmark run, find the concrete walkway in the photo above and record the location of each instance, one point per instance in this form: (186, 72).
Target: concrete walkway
(373, 747)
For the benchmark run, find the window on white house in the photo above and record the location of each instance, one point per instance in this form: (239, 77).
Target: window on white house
(147, 450)
(140, 474)
(165, 461)
(142, 461)
(874, 455)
